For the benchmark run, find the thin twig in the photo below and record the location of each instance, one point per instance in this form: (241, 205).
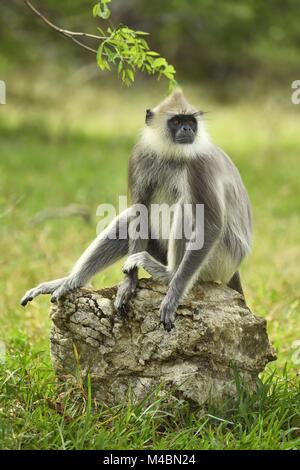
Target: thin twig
(61, 213)
(65, 32)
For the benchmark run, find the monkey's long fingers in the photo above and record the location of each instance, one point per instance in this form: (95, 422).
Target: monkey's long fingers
(44, 288)
(29, 296)
(168, 326)
(133, 261)
(167, 317)
(61, 291)
(120, 304)
(125, 291)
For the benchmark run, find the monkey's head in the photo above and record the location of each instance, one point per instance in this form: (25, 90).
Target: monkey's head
(175, 128)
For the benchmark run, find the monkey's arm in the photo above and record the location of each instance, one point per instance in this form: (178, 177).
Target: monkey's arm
(127, 287)
(107, 248)
(140, 194)
(180, 278)
(183, 277)
(204, 191)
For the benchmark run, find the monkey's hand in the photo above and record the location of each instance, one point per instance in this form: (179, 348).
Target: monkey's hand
(137, 260)
(168, 313)
(44, 288)
(144, 260)
(125, 291)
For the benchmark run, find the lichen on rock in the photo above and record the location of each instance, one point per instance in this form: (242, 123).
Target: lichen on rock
(214, 330)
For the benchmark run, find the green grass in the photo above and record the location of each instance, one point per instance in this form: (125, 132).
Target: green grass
(64, 142)
(36, 413)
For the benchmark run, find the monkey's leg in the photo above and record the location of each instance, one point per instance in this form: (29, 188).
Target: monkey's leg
(182, 279)
(155, 268)
(235, 283)
(125, 291)
(44, 288)
(104, 250)
(127, 287)
(107, 248)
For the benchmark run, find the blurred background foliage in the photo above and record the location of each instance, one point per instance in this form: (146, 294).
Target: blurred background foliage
(66, 133)
(67, 130)
(219, 41)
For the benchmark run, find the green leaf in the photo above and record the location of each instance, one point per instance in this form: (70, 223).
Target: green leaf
(97, 9)
(125, 29)
(110, 53)
(170, 69)
(128, 49)
(101, 9)
(159, 62)
(100, 60)
(105, 13)
(172, 85)
(120, 67)
(130, 74)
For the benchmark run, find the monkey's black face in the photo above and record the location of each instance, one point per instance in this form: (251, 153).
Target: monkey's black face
(183, 128)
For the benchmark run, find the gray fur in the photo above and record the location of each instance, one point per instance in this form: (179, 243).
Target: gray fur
(163, 172)
(103, 252)
(207, 177)
(44, 288)
(235, 283)
(153, 266)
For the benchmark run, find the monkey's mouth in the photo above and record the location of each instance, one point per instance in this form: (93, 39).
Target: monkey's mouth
(187, 139)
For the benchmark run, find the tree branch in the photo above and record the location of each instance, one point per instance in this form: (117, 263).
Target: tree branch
(65, 32)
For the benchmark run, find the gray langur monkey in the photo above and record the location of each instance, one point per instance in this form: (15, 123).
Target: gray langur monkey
(174, 162)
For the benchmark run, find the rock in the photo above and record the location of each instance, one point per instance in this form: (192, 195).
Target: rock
(214, 330)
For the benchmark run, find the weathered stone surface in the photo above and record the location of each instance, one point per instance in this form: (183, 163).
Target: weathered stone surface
(214, 329)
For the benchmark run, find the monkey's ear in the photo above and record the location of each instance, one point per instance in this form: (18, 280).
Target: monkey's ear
(149, 115)
(199, 113)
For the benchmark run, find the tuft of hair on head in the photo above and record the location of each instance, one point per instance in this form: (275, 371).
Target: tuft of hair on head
(176, 103)
(155, 136)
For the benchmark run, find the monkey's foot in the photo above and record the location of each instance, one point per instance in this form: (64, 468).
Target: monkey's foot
(44, 288)
(125, 291)
(167, 316)
(30, 295)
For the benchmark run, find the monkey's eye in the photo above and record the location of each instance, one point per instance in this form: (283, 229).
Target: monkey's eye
(176, 122)
(190, 122)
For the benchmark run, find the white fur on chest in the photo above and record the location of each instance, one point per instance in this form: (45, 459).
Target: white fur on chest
(170, 192)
